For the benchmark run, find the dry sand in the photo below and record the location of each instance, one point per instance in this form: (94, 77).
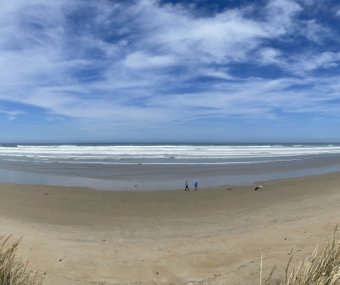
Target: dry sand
(213, 236)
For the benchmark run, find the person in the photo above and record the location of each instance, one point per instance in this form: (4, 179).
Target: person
(186, 186)
(196, 185)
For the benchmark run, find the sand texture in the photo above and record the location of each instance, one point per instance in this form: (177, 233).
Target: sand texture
(213, 236)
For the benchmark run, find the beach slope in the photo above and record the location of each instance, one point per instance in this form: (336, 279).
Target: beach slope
(212, 236)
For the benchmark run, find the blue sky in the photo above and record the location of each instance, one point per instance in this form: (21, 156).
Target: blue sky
(166, 71)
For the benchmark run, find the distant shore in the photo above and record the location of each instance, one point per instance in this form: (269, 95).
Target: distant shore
(81, 236)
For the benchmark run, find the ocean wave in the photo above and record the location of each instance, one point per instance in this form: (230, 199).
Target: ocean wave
(115, 153)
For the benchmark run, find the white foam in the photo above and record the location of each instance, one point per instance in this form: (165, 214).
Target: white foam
(119, 153)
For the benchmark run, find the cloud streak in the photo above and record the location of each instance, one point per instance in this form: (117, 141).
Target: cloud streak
(144, 62)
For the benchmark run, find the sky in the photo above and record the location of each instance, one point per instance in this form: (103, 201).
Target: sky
(170, 71)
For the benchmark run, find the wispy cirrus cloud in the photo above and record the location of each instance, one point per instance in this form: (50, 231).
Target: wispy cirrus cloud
(144, 62)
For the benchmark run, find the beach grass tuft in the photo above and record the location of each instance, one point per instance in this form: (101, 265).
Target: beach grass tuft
(321, 268)
(13, 270)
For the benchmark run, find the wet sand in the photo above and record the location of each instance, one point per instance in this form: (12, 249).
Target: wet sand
(213, 236)
(151, 177)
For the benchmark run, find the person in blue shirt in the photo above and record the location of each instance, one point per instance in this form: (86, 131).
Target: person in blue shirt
(196, 185)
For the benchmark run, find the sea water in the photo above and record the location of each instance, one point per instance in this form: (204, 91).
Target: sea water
(161, 166)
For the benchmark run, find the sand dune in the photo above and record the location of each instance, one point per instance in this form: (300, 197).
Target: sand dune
(213, 236)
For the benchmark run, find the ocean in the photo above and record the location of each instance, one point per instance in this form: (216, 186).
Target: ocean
(161, 166)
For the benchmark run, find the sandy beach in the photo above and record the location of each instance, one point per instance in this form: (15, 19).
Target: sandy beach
(108, 107)
(213, 236)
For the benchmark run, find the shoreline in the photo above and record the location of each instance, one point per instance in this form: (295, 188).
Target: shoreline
(162, 177)
(223, 187)
(82, 236)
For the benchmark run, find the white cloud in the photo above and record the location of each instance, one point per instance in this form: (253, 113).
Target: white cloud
(316, 32)
(303, 64)
(269, 56)
(11, 115)
(145, 61)
(323, 60)
(140, 60)
(223, 37)
(281, 15)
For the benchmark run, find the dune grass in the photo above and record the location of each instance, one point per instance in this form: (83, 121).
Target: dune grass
(321, 268)
(13, 270)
